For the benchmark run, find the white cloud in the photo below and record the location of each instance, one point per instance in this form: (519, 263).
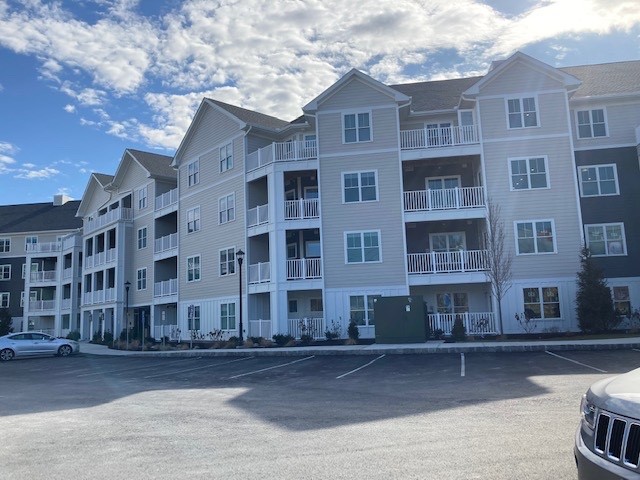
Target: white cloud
(70, 108)
(41, 174)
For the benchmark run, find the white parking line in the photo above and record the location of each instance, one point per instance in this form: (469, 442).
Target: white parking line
(462, 368)
(360, 368)
(164, 374)
(124, 370)
(576, 362)
(271, 368)
(636, 350)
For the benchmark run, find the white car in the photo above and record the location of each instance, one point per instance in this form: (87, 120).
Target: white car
(25, 344)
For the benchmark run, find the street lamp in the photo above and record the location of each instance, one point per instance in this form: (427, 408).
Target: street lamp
(127, 284)
(240, 257)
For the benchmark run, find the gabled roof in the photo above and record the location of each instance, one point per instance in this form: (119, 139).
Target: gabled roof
(435, 95)
(102, 178)
(39, 217)
(251, 117)
(156, 166)
(606, 79)
(96, 180)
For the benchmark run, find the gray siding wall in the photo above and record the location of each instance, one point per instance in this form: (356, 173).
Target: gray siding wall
(517, 78)
(354, 94)
(622, 120)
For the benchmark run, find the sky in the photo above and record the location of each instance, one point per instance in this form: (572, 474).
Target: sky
(82, 80)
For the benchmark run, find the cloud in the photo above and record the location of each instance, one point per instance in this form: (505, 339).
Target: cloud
(41, 174)
(70, 108)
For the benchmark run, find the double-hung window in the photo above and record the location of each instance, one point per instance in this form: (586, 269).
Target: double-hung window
(5, 272)
(591, 123)
(142, 238)
(522, 112)
(598, 180)
(541, 302)
(226, 208)
(621, 300)
(528, 173)
(5, 245)
(226, 157)
(607, 239)
(361, 308)
(362, 247)
(142, 279)
(193, 220)
(536, 236)
(193, 315)
(4, 300)
(227, 261)
(193, 268)
(360, 186)
(357, 127)
(193, 173)
(227, 316)
(142, 198)
(30, 243)
(452, 302)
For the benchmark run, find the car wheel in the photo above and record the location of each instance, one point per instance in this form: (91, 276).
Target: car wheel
(65, 351)
(6, 354)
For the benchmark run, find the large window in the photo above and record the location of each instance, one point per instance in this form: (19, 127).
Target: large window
(362, 247)
(361, 308)
(227, 209)
(591, 123)
(193, 314)
(5, 272)
(541, 302)
(535, 237)
(621, 300)
(528, 173)
(360, 186)
(4, 300)
(522, 112)
(193, 268)
(598, 180)
(193, 173)
(142, 279)
(357, 127)
(226, 157)
(227, 316)
(457, 302)
(227, 261)
(29, 243)
(607, 239)
(142, 198)
(193, 220)
(142, 238)
(5, 245)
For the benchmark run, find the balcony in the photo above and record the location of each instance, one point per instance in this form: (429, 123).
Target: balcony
(440, 141)
(258, 215)
(66, 304)
(46, 247)
(42, 276)
(259, 273)
(476, 323)
(99, 296)
(448, 262)
(112, 216)
(260, 328)
(304, 269)
(301, 209)
(100, 258)
(166, 243)
(166, 199)
(282, 152)
(67, 273)
(448, 203)
(41, 305)
(314, 327)
(165, 288)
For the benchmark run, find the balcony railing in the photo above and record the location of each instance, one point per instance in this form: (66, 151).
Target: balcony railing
(41, 305)
(260, 328)
(67, 273)
(301, 209)
(282, 152)
(314, 327)
(166, 287)
(42, 276)
(172, 332)
(438, 137)
(166, 199)
(70, 242)
(44, 247)
(258, 215)
(476, 323)
(260, 272)
(445, 199)
(65, 304)
(168, 242)
(120, 213)
(448, 262)
(304, 268)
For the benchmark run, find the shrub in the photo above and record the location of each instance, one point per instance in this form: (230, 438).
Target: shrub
(458, 332)
(257, 340)
(334, 331)
(353, 331)
(5, 322)
(594, 305)
(97, 338)
(282, 339)
(526, 321)
(107, 338)
(306, 339)
(438, 334)
(73, 335)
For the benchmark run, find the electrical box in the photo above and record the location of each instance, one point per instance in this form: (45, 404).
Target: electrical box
(400, 319)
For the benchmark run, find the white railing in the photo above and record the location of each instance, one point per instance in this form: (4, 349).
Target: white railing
(304, 268)
(260, 272)
(110, 295)
(260, 328)
(45, 247)
(258, 215)
(97, 296)
(170, 331)
(300, 209)
(314, 327)
(282, 152)
(445, 199)
(120, 213)
(476, 323)
(448, 262)
(70, 242)
(42, 276)
(110, 255)
(166, 199)
(65, 304)
(438, 137)
(168, 242)
(40, 305)
(166, 287)
(67, 273)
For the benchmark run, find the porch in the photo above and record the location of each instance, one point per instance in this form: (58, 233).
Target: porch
(282, 152)
(475, 323)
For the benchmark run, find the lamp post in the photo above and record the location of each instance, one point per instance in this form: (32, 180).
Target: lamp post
(240, 257)
(127, 284)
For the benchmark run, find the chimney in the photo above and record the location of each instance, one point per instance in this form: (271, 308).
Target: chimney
(60, 199)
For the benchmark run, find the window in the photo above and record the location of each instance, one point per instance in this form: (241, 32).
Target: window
(591, 123)
(599, 180)
(193, 314)
(226, 207)
(293, 306)
(193, 268)
(315, 305)
(528, 173)
(361, 308)
(227, 261)
(29, 242)
(607, 239)
(24, 270)
(22, 299)
(5, 272)
(522, 112)
(621, 302)
(357, 127)
(227, 316)
(363, 247)
(360, 187)
(457, 302)
(193, 220)
(142, 238)
(5, 245)
(541, 302)
(226, 157)
(193, 173)
(4, 300)
(141, 279)
(312, 249)
(448, 241)
(142, 198)
(535, 237)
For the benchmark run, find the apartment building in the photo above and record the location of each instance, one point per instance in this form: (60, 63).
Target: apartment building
(40, 258)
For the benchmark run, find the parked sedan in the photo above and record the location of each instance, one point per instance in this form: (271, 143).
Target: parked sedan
(34, 343)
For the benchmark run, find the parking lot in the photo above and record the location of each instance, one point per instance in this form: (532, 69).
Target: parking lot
(440, 416)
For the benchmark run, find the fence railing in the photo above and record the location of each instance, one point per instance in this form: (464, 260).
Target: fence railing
(166, 199)
(170, 331)
(44, 247)
(438, 137)
(260, 328)
(67, 273)
(301, 209)
(304, 268)
(475, 323)
(445, 199)
(120, 213)
(260, 272)
(65, 304)
(42, 276)
(282, 152)
(40, 305)
(448, 262)
(166, 287)
(168, 242)
(258, 215)
(314, 327)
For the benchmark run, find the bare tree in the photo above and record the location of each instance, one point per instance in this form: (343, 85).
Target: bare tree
(499, 258)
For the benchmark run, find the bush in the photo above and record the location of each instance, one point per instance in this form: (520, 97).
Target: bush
(458, 332)
(282, 339)
(353, 331)
(73, 335)
(97, 338)
(334, 331)
(5, 322)
(594, 305)
(438, 334)
(306, 339)
(107, 338)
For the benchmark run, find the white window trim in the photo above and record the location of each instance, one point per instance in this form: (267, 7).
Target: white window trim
(590, 110)
(546, 172)
(235, 316)
(615, 176)
(540, 287)
(359, 173)
(146, 238)
(143, 197)
(32, 243)
(356, 112)
(220, 274)
(2, 269)
(604, 229)
(366, 310)
(220, 150)
(8, 295)
(235, 208)
(520, 98)
(534, 221)
(462, 233)
(196, 174)
(199, 269)
(3, 240)
(138, 278)
(199, 220)
(361, 232)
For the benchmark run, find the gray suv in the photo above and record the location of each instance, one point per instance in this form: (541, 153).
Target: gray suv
(608, 439)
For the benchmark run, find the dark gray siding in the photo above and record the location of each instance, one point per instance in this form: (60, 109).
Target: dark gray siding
(13, 286)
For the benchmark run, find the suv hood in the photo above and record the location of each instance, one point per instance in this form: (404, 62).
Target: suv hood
(619, 394)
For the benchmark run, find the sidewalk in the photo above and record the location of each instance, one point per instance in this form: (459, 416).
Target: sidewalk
(387, 349)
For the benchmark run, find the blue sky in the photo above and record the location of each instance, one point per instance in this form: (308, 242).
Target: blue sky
(81, 80)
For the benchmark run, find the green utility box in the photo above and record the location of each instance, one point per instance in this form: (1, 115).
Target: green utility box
(400, 319)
